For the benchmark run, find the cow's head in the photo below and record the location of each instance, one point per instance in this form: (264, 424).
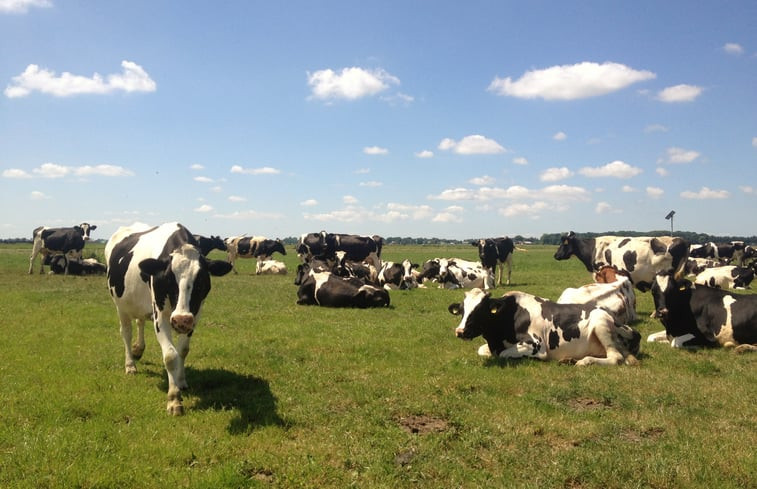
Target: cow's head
(568, 246)
(430, 270)
(218, 243)
(408, 277)
(181, 282)
(85, 228)
(668, 292)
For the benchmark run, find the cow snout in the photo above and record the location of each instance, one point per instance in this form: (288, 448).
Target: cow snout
(460, 333)
(183, 323)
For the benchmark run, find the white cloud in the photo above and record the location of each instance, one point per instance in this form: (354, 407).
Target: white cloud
(447, 217)
(196, 166)
(375, 150)
(266, 170)
(470, 145)
(706, 193)
(250, 214)
(237, 198)
(520, 160)
(22, 6)
(603, 207)
(415, 212)
(371, 183)
(679, 155)
(481, 181)
(615, 169)
(733, 48)
(15, 173)
(655, 192)
(554, 193)
(560, 136)
(533, 210)
(754, 142)
(663, 172)
(37, 195)
(350, 84)
(427, 154)
(555, 174)
(203, 179)
(570, 82)
(349, 199)
(362, 171)
(655, 128)
(679, 93)
(747, 189)
(133, 78)
(309, 203)
(628, 189)
(54, 170)
(204, 208)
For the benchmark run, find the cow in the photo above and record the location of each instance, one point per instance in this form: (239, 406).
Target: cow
(734, 251)
(695, 266)
(616, 297)
(398, 275)
(159, 273)
(519, 325)
(641, 257)
(327, 289)
(258, 247)
(429, 271)
(315, 244)
(696, 316)
(726, 277)
(455, 273)
(359, 248)
(68, 242)
(273, 267)
(209, 244)
(60, 264)
(496, 251)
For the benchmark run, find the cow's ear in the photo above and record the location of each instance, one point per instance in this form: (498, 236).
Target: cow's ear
(92, 228)
(455, 309)
(474, 243)
(218, 268)
(153, 266)
(414, 265)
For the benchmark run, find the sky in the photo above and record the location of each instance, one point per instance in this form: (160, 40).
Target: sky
(401, 118)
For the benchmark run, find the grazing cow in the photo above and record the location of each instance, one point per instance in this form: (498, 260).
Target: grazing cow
(398, 275)
(159, 273)
(207, 245)
(258, 247)
(694, 315)
(616, 297)
(641, 257)
(60, 264)
(327, 289)
(734, 251)
(522, 325)
(68, 242)
(727, 277)
(455, 273)
(496, 251)
(273, 267)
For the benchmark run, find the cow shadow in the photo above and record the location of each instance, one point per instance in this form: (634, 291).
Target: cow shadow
(224, 390)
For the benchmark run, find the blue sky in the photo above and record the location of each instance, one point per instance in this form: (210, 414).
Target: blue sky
(399, 118)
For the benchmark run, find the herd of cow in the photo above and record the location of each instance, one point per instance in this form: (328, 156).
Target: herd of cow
(162, 273)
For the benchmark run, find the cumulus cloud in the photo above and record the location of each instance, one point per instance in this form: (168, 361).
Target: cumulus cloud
(655, 128)
(520, 160)
(429, 154)
(754, 142)
(554, 193)
(628, 189)
(663, 172)
(203, 179)
(392, 212)
(350, 83)
(655, 192)
(309, 203)
(560, 136)
(204, 208)
(250, 215)
(237, 198)
(349, 199)
(705, 193)
(15, 173)
(603, 207)
(481, 181)
(532, 210)
(555, 174)
(22, 6)
(570, 82)
(37, 195)
(733, 48)
(615, 169)
(375, 150)
(196, 166)
(679, 93)
(372, 183)
(266, 170)
(747, 189)
(133, 78)
(472, 145)
(54, 170)
(679, 155)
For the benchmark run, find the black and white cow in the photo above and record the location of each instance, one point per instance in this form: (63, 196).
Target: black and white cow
(616, 297)
(496, 251)
(315, 244)
(60, 264)
(726, 277)
(359, 248)
(258, 247)
(327, 289)
(209, 244)
(521, 325)
(273, 267)
(429, 271)
(731, 252)
(398, 275)
(456, 273)
(158, 273)
(641, 257)
(694, 315)
(68, 242)
(695, 266)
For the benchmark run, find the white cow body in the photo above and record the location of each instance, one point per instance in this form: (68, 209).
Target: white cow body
(617, 298)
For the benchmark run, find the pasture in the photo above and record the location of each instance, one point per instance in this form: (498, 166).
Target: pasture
(283, 395)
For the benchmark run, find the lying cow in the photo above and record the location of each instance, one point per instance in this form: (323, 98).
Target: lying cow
(158, 273)
(272, 267)
(398, 275)
(695, 266)
(727, 277)
(327, 289)
(61, 264)
(59, 241)
(258, 247)
(616, 297)
(455, 273)
(521, 325)
(641, 257)
(694, 315)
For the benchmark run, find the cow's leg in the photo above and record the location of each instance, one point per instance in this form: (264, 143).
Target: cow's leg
(509, 262)
(603, 332)
(533, 348)
(173, 362)
(138, 347)
(125, 321)
(182, 346)
(658, 336)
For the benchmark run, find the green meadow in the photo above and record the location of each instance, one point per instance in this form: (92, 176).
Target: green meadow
(286, 396)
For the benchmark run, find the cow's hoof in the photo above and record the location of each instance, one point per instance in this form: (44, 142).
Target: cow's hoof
(631, 360)
(568, 361)
(131, 370)
(745, 348)
(175, 409)
(137, 352)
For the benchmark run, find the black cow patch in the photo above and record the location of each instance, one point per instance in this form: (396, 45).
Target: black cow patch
(629, 260)
(624, 242)
(120, 258)
(658, 247)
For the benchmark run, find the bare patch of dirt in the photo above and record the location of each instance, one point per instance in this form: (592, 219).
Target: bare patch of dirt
(588, 404)
(636, 436)
(421, 424)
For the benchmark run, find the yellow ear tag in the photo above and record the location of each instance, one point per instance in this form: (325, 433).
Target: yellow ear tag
(683, 287)
(494, 310)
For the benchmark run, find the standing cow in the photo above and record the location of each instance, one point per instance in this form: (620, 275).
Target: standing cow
(641, 257)
(68, 242)
(158, 273)
(496, 251)
(258, 247)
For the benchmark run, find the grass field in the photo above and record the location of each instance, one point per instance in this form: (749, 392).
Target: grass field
(295, 396)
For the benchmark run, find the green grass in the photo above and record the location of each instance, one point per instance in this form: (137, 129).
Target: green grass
(295, 396)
